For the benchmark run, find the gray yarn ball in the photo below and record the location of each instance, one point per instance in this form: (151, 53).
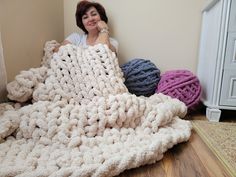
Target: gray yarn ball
(141, 76)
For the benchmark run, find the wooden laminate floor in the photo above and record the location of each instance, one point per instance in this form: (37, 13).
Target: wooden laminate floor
(189, 159)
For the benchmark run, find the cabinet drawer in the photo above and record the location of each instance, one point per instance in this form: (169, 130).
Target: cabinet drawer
(232, 18)
(230, 57)
(228, 88)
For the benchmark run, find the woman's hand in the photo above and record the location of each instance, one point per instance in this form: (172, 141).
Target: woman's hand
(101, 25)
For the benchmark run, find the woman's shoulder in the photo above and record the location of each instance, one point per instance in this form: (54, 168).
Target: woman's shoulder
(75, 38)
(114, 42)
(75, 35)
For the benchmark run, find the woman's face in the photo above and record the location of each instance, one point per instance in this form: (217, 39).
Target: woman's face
(90, 19)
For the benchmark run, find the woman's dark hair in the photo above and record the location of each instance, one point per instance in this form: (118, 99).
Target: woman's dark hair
(82, 8)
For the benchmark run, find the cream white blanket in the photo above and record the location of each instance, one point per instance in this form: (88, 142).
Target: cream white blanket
(83, 121)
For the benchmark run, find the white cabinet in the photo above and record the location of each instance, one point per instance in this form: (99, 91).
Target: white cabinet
(217, 57)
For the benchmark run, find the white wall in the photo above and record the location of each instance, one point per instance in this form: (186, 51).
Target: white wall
(164, 31)
(25, 26)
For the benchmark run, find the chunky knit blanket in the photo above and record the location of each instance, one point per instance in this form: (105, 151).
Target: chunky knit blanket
(83, 122)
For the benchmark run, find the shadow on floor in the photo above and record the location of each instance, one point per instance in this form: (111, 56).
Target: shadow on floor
(199, 113)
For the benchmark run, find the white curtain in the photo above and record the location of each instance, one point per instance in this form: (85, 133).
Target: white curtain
(3, 75)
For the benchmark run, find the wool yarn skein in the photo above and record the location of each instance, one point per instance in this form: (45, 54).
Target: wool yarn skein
(181, 84)
(141, 76)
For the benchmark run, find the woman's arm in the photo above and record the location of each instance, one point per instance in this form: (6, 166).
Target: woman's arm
(103, 36)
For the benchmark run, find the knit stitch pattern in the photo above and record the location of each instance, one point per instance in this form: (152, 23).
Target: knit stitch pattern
(83, 121)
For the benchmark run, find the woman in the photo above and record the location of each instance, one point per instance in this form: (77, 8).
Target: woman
(92, 19)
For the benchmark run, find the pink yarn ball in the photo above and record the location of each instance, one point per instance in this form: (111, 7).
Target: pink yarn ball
(181, 84)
